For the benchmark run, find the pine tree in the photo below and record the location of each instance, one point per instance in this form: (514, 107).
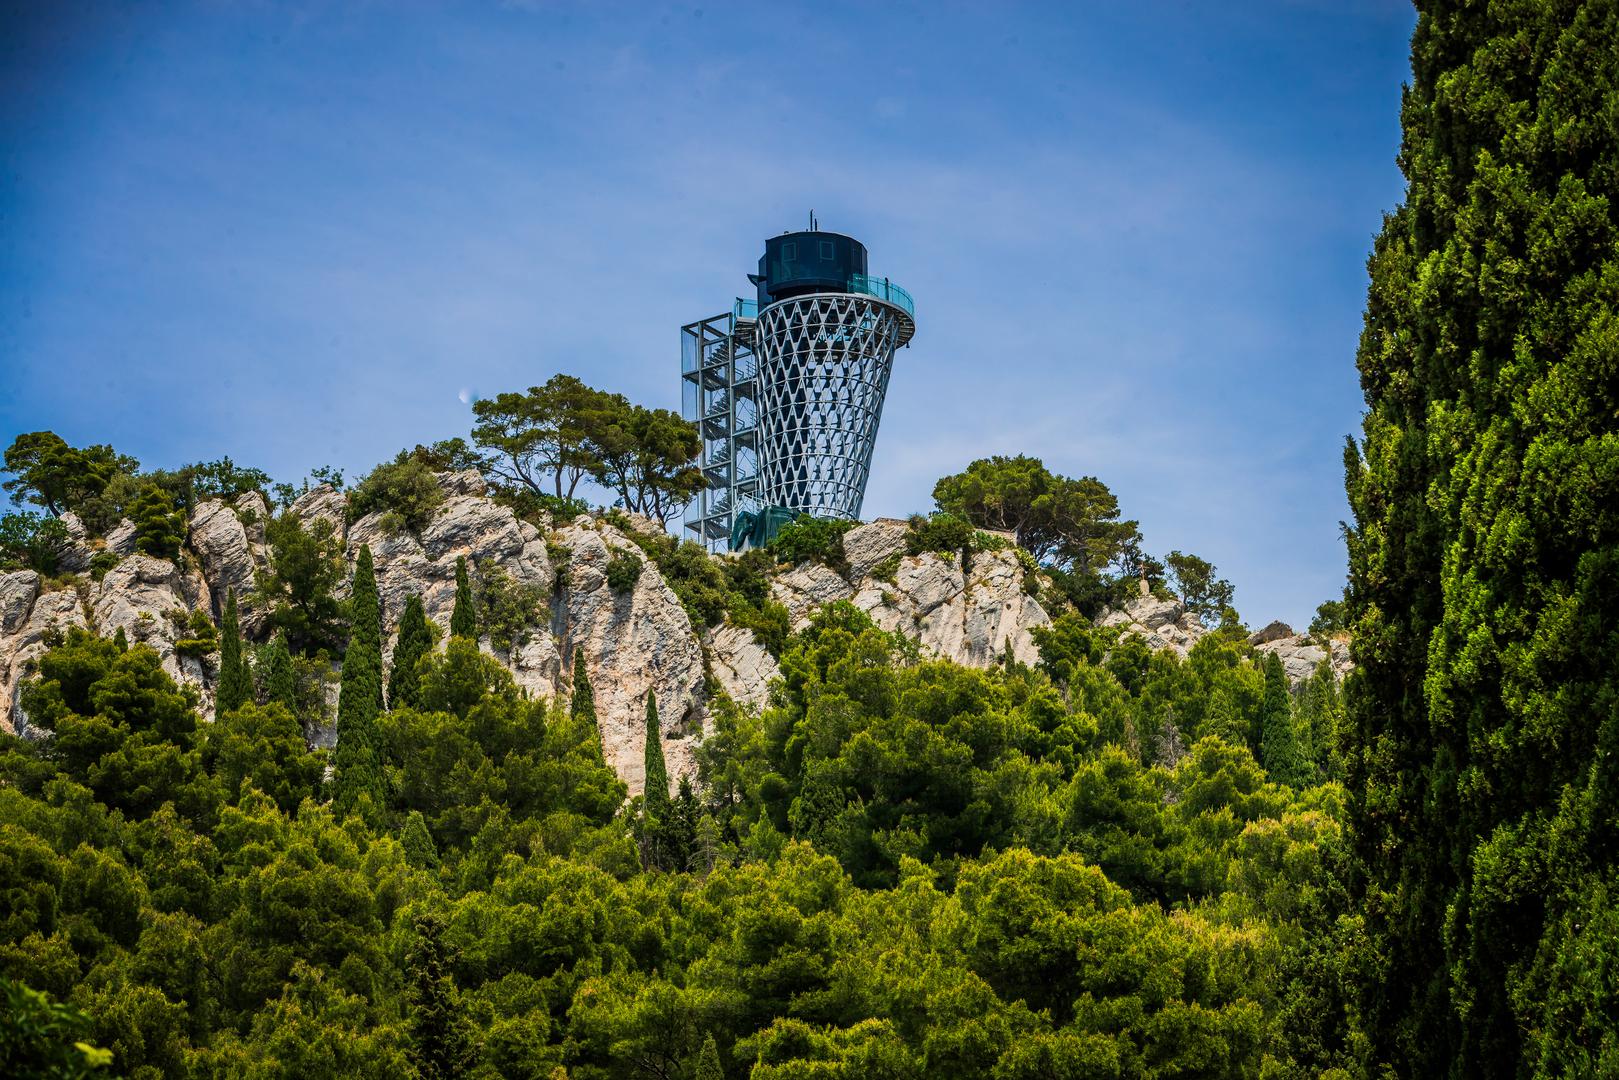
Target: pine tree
(1482, 738)
(359, 698)
(160, 528)
(414, 642)
(708, 1062)
(1284, 758)
(280, 683)
(441, 1036)
(464, 616)
(235, 680)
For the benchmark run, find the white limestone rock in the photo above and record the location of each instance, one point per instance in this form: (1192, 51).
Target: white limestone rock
(631, 643)
(743, 667)
(228, 540)
(29, 620)
(322, 503)
(971, 618)
(808, 586)
(868, 545)
(149, 599)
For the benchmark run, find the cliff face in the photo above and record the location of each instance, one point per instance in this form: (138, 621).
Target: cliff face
(972, 611)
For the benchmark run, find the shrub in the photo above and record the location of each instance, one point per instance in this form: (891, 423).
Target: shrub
(160, 526)
(31, 542)
(623, 571)
(101, 562)
(404, 489)
(942, 534)
(508, 606)
(201, 637)
(537, 508)
(809, 538)
(888, 569)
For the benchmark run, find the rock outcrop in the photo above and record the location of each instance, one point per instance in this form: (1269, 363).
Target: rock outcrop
(558, 604)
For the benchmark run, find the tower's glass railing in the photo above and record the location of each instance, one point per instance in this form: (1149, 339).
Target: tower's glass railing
(883, 289)
(744, 309)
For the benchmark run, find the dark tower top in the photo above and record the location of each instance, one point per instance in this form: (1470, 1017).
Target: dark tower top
(796, 263)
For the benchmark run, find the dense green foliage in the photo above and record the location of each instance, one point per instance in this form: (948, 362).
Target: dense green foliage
(31, 542)
(404, 489)
(806, 539)
(160, 525)
(300, 588)
(900, 866)
(235, 687)
(1484, 556)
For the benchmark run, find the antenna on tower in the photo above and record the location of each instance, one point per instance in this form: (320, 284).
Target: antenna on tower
(812, 221)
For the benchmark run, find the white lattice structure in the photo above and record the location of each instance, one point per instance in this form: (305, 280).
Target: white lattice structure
(823, 365)
(787, 390)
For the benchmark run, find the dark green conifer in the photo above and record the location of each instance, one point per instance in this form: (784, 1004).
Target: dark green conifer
(359, 699)
(1279, 742)
(1483, 735)
(464, 616)
(420, 851)
(160, 528)
(121, 640)
(657, 772)
(414, 642)
(280, 684)
(442, 1046)
(235, 680)
(708, 1062)
(582, 706)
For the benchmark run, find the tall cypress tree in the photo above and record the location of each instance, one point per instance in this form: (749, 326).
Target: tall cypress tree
(582, 706)
(708, 1062)
(415, 640)
(656, 791)
(280, 684)
(1483, 735)
(441, 1036)
(1279, 741)
(235, 681)
(359, 697)
(464, 616)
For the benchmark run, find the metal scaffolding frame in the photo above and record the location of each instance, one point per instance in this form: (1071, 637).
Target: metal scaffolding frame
(719, 393)
(788, 400)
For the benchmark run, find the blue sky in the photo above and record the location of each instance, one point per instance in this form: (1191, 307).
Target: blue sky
(299, 234)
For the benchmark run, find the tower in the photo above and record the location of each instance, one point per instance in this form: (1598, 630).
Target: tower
(788, 388)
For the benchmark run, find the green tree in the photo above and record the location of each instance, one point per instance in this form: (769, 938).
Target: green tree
(41, 1039)
(31, 542)
(551, 433)
(582, 705)
(646, 456)
(414, 642)
(279, 681)
(358, 771)
(160, 526)
(657, 772)
(49, 473)
(708, 1062)
(299, 590)
(464, 616)
(442, 1045)
(1484, 743)
(1286, 760)
(1194, 581)
(235, 687)
(1068, 523)
(404, 487)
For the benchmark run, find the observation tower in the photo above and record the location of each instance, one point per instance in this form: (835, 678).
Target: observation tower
(788, 388)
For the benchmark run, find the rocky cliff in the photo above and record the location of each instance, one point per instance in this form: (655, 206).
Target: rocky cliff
(971, 610)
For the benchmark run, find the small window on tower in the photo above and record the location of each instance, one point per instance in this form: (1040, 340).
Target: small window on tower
(826, 251)
(789, 251)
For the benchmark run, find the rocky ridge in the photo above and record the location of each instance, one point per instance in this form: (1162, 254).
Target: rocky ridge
(974, 611)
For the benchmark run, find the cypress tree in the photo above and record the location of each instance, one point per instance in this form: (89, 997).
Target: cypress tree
(464, 617)
(441, 1038)
(1279, 742)
(235, 681)
(1482, 741)
(708, 1062)
(582, 706)
(657, 773)
(359, 697)
(121, 640)
(280, 683)
(414, 642)
(420, 851)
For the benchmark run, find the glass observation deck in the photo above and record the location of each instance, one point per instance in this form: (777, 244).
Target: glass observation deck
(865, 284)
